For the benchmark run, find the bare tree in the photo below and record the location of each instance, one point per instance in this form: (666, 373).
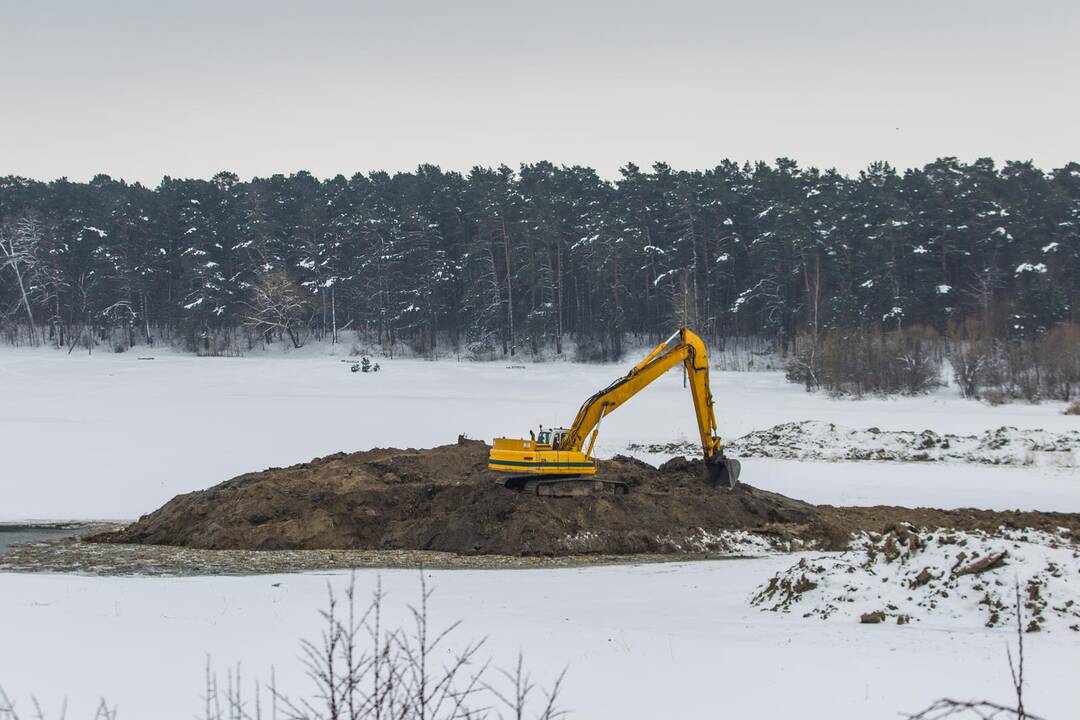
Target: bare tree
(18, 251)
(278, 304)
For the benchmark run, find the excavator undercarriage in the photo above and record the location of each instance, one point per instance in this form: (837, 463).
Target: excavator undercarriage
(562, 486)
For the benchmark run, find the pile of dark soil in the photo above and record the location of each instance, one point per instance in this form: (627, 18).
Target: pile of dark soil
(445, 499)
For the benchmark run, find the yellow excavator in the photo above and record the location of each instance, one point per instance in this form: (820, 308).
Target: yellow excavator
(552, 461)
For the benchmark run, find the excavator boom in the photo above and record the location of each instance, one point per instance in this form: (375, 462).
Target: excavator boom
(567, 455)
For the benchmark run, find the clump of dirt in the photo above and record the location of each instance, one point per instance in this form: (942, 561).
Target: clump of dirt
(445, 499)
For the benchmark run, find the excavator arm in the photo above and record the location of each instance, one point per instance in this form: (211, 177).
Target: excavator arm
(683, 347)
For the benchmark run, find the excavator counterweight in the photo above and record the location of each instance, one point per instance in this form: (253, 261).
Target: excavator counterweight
(560, 457)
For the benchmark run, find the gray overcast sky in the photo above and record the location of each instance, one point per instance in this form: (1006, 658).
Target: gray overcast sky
(147, 88)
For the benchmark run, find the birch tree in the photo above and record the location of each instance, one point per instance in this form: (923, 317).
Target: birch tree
(19, 252)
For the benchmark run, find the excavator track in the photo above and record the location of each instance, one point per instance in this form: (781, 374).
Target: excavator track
(573, 486)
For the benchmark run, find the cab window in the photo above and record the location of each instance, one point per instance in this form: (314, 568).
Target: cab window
(544, 438)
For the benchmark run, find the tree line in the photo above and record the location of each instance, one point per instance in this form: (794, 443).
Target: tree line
(499, 262)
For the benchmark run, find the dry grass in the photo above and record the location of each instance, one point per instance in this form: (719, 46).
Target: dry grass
(1073, 409)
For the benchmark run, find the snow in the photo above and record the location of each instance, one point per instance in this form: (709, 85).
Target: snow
(815, 440)
(660, 278)
(943, 289)
(647, 641)
(110, 436)
(969, 579)
(1029, 267)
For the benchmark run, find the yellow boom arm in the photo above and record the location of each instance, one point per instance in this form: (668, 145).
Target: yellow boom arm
(682, 347)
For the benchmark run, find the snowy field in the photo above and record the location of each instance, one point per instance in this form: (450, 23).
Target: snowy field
(113, 437)
(653, 641)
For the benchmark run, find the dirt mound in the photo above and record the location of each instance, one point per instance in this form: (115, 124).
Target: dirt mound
(445, 499)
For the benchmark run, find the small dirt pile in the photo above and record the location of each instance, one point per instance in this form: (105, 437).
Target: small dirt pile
(910, 574)
(445, 499)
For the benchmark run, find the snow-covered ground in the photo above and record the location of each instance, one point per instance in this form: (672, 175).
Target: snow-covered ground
(652, 641)
(112, 437)
(914, 575)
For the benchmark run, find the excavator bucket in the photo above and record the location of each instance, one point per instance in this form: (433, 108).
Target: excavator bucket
(722, 472)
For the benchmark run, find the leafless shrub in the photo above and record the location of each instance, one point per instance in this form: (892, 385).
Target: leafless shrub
(8, 711)
(361, 669)
(1073, 409)
(1044, 366)
(1059, 355)
(906, 361)
(984, 709)
(970, 354)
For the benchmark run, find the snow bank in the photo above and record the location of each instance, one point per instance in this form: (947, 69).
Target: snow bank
(963, 579)
(814, 440)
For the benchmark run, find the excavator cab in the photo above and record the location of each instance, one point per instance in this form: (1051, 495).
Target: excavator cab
(550, 439)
